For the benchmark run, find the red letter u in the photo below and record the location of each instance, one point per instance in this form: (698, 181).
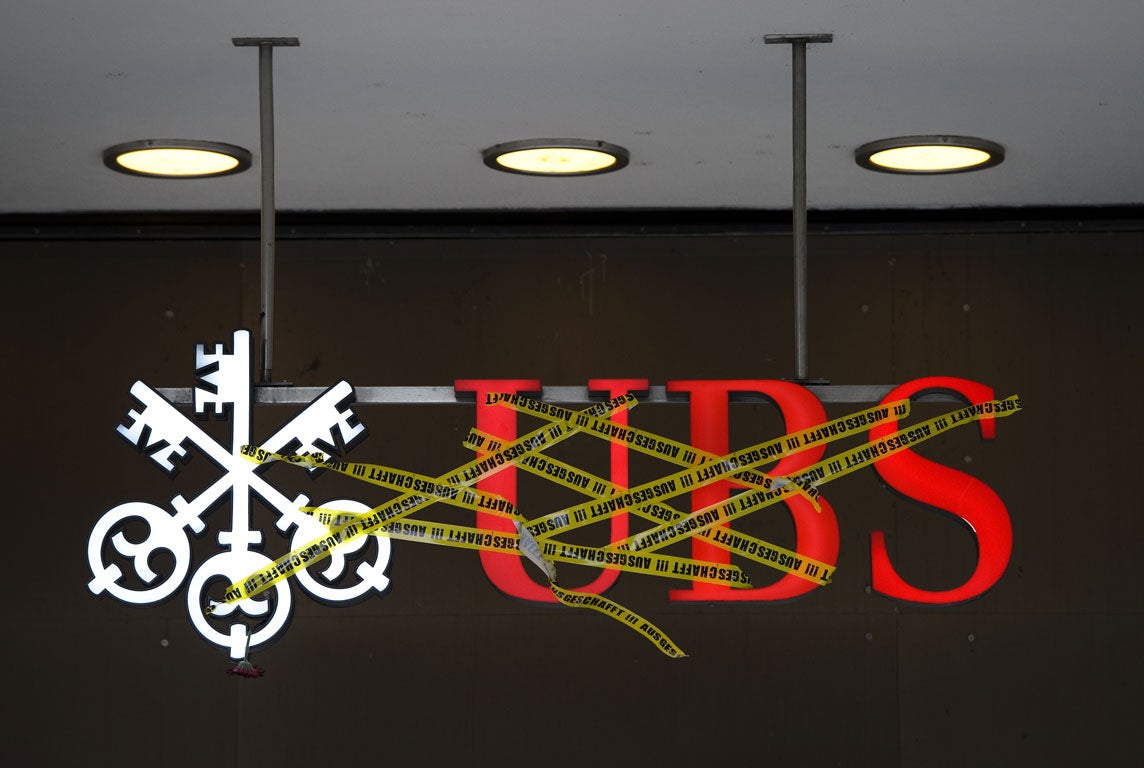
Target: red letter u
(507, 572)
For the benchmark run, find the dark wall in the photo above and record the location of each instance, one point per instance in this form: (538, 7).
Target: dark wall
(1041, 670)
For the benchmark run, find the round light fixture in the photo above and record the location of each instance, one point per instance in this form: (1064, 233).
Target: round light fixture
(929, 154)
(176, 158)
(556, 157)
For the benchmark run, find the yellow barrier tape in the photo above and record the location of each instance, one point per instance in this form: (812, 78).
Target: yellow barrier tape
(647, 563)
(320, 548)
(822, 472)
(400, 480)
(703, 468)
(451, 536)
(711, 468)
(759, 550)
(681, 453)
(466, 537)
(613, 610)
(388, 516)
(444, 534)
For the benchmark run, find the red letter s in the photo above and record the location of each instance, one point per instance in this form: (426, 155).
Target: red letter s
(955, 492)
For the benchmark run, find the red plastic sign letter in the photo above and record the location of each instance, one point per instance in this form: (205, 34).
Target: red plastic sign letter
(816, 533)
(934, 484)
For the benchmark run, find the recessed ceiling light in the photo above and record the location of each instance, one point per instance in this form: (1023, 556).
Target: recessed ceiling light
(929, 154)
(176, 158)
(556, 157)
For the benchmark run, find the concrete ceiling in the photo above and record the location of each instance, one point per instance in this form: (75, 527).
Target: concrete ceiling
(387, 105)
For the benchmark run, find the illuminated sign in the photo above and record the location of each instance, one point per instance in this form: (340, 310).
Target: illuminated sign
(164, 434)
(326, 537)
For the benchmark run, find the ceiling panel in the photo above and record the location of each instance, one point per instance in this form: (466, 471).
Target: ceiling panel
(387, 106)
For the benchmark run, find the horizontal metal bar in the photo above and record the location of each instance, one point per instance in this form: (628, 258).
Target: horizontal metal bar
(289, 395)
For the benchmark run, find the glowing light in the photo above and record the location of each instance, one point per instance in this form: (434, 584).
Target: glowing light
(929, 154)
(556, 157)
(177, 159)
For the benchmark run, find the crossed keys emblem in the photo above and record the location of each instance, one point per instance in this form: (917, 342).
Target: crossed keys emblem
(223, 389)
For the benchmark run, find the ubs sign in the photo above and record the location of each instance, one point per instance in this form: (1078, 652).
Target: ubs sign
(357, 568)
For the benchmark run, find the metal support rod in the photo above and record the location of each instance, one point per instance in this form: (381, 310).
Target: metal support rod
(566, 395)
(798, 207)
(266, 46)
(266, 133)
(798, 70)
